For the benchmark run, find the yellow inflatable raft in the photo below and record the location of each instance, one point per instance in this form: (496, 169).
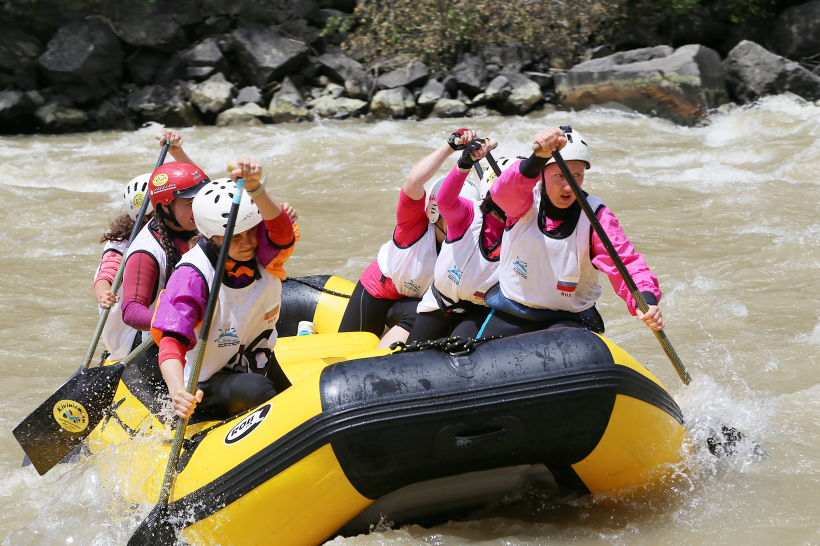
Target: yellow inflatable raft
(410, 435)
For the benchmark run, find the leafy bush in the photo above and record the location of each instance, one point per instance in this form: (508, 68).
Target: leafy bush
(435, 31)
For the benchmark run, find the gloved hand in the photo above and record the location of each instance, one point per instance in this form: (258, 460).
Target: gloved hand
(461, 137)
(466, 160)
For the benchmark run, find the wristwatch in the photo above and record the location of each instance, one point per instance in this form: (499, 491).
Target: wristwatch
(260, 189)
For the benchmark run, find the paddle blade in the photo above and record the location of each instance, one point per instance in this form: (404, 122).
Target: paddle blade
(55, 428)
(155, 530)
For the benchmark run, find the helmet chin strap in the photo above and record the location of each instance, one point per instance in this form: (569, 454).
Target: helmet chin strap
(165, 215)
(438, 227)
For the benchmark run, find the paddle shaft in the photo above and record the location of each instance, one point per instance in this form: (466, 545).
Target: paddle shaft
(196, 365)
(613, 254)
(95, 339)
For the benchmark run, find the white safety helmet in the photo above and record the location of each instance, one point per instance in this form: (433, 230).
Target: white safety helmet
(576, 149)
(135, 192)
(469, 191)
(489, 177)
(212, 206)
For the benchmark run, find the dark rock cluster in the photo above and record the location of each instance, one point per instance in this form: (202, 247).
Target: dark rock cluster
(251, 62)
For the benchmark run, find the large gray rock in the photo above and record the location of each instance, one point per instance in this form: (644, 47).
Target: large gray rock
(163, 105)
(213, 95)
(412, 74)
(449, 108)
(18, 54)
(204, 59)
(155, 30)
(797, 31)
(84, 60)
(248, 94)
(328, 107)
(498, 90)
(753, 72)
(680, 86)
(111, 115)
(431, 93)
(301, 30)
(470, 75)
(339, 67)
(266, 55)
(16, 109)
(525, 93)
(54, 118)
(396, 103)
(359, 85)
(247, 115)
(510, 57)
(287, 104)
(143, 66)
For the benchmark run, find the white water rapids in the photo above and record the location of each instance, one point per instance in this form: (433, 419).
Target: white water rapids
(726, 215)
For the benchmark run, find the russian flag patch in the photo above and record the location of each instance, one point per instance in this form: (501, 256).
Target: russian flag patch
(567, 284)
(271, 313)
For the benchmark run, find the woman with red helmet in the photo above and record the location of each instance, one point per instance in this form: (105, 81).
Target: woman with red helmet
(159, 246)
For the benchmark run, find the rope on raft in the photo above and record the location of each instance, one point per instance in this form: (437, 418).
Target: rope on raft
(456, 346)
(320, 288)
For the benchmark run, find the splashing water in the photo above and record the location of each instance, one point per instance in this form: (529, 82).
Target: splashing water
(725, 214)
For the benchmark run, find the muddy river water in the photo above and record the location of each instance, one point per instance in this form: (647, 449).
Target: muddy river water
(726, 215)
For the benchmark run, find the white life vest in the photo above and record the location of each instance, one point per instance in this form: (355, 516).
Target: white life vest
(549, 271)
(116, 335)
(410, 267)
(243, 331)
(463, 269)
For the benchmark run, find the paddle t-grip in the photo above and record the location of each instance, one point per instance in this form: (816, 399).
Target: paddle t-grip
(233, 165)
(459, 142)
(537, 147)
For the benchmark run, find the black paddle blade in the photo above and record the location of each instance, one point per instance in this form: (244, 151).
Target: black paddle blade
(58, 426)
(730, 441)
(155, 530)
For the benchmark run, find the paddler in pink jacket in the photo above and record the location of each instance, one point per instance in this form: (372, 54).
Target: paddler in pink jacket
(550, 255)
(391, 287)
(467, 265)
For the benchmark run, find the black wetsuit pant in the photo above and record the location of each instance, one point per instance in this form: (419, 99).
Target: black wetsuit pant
(504, 324)
(435, 325)
(225, 393)
(367, 313)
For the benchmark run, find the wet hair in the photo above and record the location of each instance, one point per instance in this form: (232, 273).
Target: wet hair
(121, 228)
(172, 255)
(488, 206)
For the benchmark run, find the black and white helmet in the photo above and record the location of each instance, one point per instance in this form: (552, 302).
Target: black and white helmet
(135, 193)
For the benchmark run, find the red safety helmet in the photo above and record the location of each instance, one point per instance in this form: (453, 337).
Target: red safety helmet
(175, 180)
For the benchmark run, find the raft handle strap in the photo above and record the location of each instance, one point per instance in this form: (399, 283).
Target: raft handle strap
(320, 288)
(456, 346)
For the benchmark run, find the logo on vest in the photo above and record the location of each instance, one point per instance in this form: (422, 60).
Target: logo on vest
(567, 285)
(478, 295)
(454, 275)
(247, 425)
(520, 267)
(70, 415)
(227, 338)
(412, 286)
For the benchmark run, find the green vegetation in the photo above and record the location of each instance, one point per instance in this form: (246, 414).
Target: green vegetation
(559, 32)
(435, 30)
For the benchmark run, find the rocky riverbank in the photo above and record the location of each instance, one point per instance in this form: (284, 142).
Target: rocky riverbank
(250, 62)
